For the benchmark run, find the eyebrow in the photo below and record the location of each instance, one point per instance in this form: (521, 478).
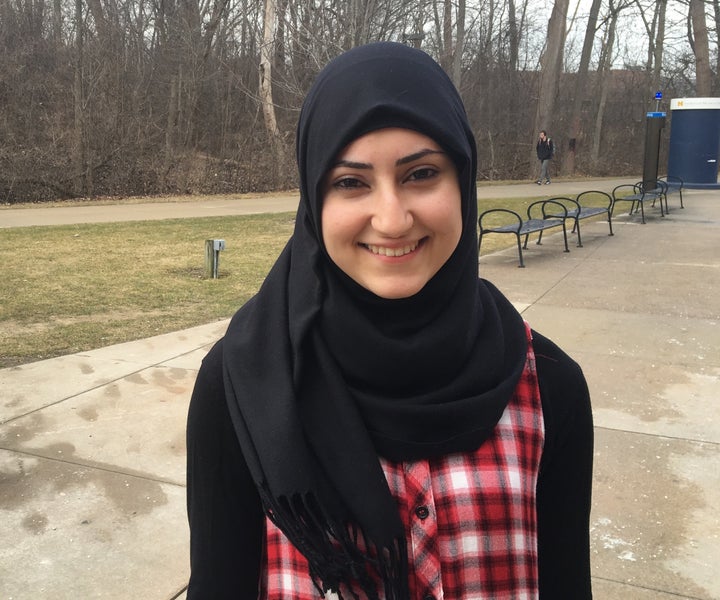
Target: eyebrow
(417, 155)
(400, 161)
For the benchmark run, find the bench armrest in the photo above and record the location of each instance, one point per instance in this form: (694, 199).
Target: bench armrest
(625, 189)
(514, 218)
(607, 198)
(673, 181)
(549, 208)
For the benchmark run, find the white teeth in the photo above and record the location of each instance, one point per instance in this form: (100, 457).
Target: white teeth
(384, 251)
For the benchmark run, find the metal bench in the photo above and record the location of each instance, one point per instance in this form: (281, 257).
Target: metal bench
(541, 215)
(639, 193)
(674, 184)
(585, 205)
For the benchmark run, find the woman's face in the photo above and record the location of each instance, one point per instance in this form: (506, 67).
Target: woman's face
(391, 214)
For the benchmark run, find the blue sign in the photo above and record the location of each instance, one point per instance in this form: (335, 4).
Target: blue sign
(658, 95)
(655, 115)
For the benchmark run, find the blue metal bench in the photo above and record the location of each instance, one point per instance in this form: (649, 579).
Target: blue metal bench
(585, 205)
(639, 193)
(541, 215)
(674, 184)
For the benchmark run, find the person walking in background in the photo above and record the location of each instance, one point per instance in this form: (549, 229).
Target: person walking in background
(545, 151)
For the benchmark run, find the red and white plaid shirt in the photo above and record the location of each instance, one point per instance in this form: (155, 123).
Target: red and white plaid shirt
(470, 519)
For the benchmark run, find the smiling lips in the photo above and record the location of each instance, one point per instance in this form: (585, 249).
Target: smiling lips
(385, 251)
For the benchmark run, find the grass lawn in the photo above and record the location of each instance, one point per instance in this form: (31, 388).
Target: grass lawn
(74, 288)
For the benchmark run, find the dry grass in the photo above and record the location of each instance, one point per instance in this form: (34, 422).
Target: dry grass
(72, 288)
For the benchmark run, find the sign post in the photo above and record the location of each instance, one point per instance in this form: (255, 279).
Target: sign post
(655, 121)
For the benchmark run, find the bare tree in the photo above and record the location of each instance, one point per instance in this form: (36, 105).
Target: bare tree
(79, 149)
(699, 42)
(513, 37)
(456, 72)
(150, 96)
(606, 59)
(653, 17)
(451, 25)
(581, 80)
(659, 45)
(550, 69)
(267, 52)
(716, 21)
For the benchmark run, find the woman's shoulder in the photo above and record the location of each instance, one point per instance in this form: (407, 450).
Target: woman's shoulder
(553, 362)
(563, 388)
(210, 375)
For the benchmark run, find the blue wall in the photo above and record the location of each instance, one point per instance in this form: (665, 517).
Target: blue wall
(695, 146)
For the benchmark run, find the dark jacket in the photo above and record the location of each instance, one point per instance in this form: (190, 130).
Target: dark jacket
(227, 522)
(545, 149)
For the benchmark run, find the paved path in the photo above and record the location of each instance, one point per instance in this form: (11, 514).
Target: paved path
(92, 454)
(185, 207)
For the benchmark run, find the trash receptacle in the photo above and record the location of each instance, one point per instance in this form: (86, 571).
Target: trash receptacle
(695, 141)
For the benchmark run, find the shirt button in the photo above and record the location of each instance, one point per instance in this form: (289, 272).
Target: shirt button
(423, 513)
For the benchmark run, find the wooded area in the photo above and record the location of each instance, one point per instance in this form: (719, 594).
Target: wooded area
(138, 97)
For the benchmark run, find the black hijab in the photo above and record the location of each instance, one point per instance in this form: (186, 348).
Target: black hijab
(322, 376)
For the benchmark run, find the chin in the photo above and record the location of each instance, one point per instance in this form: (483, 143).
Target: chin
(395, 292)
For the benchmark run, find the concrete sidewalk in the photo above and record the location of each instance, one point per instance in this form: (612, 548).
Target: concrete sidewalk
(92, 452)
(215, 206)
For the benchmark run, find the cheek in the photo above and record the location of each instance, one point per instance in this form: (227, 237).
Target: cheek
(447, 216)
(327, 224)
(338, 226)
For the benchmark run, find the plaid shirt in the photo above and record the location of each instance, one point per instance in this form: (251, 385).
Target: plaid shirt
(470, 519)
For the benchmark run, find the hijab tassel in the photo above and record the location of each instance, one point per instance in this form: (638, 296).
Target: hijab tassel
(331, 549)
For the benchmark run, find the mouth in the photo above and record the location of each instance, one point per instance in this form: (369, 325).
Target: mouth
(393, 252)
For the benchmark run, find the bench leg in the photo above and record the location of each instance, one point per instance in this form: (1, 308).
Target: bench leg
(576, 229)
(519, 247)
(565, 237)
(610, 223)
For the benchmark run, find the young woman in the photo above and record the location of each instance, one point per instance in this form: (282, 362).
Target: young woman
(378, 422)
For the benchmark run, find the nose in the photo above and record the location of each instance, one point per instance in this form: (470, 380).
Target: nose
(392, 216)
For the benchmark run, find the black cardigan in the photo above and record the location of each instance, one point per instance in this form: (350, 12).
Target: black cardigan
(227, 521)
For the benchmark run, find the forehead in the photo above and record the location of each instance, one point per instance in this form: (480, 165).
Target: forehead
(389, 140)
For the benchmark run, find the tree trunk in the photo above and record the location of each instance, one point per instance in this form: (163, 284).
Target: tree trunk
(661, 7)
(580, 87)
(550, 67)
(703, 75)
(603, 70)
(267, 52)
(170, 130)
(101, 24)
(57, 21)
(716, 14)
(513, 37)
(79, 150)
(459, 45)
(447, 52)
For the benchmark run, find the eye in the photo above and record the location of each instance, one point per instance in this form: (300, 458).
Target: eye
(422, 173)
(347, 183)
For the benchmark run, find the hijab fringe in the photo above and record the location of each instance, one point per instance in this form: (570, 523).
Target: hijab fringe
(331, 549)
